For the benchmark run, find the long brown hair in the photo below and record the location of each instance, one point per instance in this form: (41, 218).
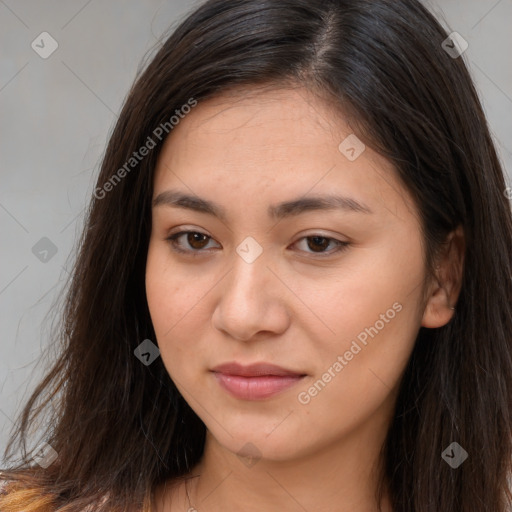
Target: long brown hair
(120, 427)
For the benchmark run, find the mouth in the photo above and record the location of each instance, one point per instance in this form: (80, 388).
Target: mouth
(255, 382)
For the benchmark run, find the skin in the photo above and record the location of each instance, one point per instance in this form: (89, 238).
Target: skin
(291, 306)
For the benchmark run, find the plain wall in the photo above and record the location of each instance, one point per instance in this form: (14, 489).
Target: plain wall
(57, 113)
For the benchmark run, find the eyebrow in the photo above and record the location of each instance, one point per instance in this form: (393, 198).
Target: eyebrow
(280, 211)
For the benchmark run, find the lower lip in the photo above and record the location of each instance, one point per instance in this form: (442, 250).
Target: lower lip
(256, 388)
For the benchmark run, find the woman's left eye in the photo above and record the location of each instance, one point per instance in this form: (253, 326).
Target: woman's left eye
(322, 242)
(198, 241)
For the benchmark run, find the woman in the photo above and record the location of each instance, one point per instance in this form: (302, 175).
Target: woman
(292, 292)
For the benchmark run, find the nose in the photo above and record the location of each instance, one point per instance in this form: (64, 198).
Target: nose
(252, 301)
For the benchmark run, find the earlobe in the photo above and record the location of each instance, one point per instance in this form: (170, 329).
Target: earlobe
(438, 311)
(447, 282)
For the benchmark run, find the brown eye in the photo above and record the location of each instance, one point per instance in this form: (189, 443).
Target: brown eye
(317, 244)
(195, 242)
(320, 242)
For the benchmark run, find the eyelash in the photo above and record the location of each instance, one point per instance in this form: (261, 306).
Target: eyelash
(194, 253)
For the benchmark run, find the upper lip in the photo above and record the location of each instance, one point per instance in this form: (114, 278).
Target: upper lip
(254, 370)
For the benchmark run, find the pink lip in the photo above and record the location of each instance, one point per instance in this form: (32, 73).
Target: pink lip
(256, 381)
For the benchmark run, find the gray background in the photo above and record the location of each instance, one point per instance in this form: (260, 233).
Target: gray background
(57, 113)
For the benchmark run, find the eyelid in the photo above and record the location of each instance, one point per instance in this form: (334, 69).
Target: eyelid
(172, 237)
(340, 244)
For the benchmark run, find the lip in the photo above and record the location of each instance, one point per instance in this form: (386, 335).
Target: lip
(255, 370)
(256, 381)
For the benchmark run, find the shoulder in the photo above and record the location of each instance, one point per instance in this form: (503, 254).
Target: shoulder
(7, 487)
(4, 492)
(3, 486)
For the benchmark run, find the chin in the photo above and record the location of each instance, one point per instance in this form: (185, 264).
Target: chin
(246, 440)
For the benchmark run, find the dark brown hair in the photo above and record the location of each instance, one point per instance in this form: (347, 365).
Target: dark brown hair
(120, 427)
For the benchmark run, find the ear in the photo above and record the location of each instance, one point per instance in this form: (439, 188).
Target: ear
(446, 284)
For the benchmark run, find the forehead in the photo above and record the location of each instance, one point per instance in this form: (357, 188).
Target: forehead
(266, 143)
(256, 118)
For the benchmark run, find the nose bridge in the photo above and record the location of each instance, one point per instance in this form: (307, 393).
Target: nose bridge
(248, 284)
(249, 300)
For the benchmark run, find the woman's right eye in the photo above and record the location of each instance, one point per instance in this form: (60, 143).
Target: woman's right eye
(194, 239)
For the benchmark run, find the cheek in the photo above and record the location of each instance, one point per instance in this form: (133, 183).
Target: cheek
(369, 286)
(177, 299)
(373, 310)
(170, 296)
(170, 291)
(346, 393)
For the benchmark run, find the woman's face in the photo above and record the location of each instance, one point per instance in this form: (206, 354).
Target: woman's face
(331, 295)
